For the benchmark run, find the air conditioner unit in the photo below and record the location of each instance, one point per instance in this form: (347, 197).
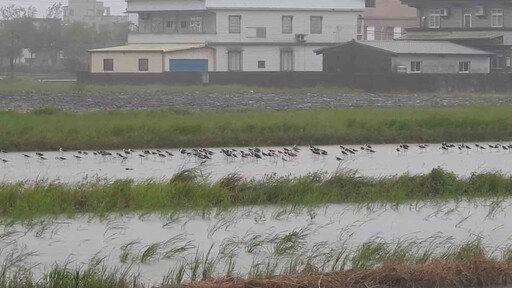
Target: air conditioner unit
(445, 12)
(144, 16)
(479, 10)
(301, 38)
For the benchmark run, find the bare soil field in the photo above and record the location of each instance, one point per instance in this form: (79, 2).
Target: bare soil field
(90, 101)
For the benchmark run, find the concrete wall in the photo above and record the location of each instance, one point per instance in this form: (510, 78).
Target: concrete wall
(304, 57)
(337, 26)
(444, 63)
(126, 62)
(203, 53)
(411, 83)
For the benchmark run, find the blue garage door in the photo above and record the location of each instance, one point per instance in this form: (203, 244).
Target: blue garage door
(188, 65)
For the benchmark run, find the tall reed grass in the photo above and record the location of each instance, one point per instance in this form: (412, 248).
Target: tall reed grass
(50, 128)
(372, 264)
(28, 200)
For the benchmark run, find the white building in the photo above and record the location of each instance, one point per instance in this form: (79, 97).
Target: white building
(91, 12)
(230, 35)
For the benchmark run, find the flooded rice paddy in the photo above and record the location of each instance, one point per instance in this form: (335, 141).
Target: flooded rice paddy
(384, 161)
(251, 237)
(248, 240)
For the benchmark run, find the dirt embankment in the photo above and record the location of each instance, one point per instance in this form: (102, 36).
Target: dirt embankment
(88, 101)
(478, 272)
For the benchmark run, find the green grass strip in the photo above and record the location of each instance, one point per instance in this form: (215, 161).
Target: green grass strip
(49, 129)
(186, 192)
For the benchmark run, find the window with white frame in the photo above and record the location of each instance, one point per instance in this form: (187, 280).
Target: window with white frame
(234, 60)
(416, 66)
(287, 60)
(287, 24)
(497, 17)
(434, 18)
(235, 24)
(316, 24)
(464, 66)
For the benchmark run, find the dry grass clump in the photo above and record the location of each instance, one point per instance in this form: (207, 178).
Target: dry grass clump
(479, 271)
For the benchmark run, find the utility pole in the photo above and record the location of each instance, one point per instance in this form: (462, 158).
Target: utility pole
(12, 55)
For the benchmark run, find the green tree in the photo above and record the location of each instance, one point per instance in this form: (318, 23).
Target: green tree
(79, 38)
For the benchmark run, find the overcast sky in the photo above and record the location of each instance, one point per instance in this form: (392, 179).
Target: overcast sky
(117, 6)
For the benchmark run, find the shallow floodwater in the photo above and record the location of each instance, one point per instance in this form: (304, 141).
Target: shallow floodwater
(384, 162)
(324, 229)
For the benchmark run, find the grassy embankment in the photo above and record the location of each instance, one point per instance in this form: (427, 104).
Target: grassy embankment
(49, 129)
(31, 86)
(186, 192)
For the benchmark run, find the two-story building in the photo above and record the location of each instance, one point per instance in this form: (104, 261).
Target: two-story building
(230, 35)
(483, 24)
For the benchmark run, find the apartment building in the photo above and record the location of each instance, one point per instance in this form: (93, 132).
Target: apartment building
(92, 12)
(483, 24)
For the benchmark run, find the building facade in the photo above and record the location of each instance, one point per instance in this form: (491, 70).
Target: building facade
(386, 20)
(381, 57)
(91, 12)
(264, 35)
(481, 24)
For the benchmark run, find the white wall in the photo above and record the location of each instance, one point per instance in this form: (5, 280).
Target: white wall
(337, 26)
(202, 53)
(444, 64)
(304, 57)
(126, 62)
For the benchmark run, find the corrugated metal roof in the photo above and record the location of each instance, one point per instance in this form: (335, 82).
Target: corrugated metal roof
(424, 47)
(415, 47)
(450, 35)
(184, 5)
(164, 48)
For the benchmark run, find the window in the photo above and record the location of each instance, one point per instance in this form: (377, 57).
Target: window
(499, 62)
(370, 33)
(286, 60)
(196, 24)
(234, 60)
(261, 32)
(108, 64)
(316, 24)
(287, 24)
(497, 17)
(416, 66)
(143, 64)
(261, 64)
(390, 33)
(360, 27)
(370, 3)
(434, 19)
(183, 24)
(467, 21)
(235, 24)
(464, 66)
(71, 12)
